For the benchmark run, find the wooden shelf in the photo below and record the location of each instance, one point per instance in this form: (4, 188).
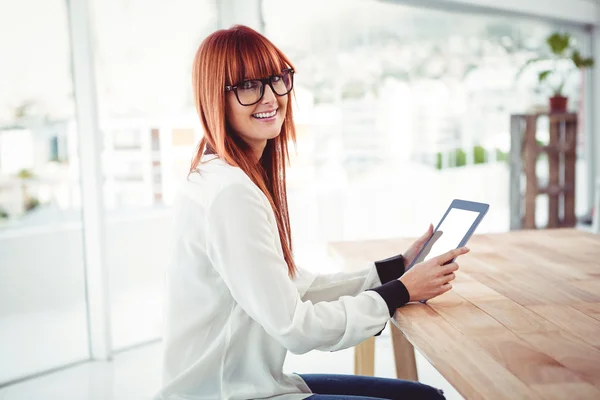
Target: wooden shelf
(558, 148)
(556, 189)
(562, 157)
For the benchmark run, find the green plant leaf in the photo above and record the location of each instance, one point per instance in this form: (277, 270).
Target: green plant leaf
(478, 155)
(581, 62)
(562, 49)
(25, 174)
(559, 43)
(543, 75)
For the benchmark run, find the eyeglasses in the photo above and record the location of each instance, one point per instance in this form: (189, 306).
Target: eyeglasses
(251, 91)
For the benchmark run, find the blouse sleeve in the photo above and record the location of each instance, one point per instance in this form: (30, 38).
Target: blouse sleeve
(242, 248)
(328, 287)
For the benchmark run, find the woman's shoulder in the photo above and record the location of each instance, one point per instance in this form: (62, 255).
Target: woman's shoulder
(216, 171)
(216, 178)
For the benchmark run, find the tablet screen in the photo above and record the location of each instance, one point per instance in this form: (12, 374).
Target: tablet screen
(449, 234)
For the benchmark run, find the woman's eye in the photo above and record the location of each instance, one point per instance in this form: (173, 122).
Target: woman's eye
(276, 78)
(250, 85)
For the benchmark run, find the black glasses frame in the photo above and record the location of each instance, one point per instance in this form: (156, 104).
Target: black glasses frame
(264, 81)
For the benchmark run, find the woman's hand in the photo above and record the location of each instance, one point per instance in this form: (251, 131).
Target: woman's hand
(416, 247)
(431, 278)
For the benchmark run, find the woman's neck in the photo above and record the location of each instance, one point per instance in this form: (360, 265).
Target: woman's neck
(258, 149)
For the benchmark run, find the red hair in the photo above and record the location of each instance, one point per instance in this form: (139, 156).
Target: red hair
(227, 57)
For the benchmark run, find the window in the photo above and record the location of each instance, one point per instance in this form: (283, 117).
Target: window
(43, 317)
(401, 111)
(143, 61)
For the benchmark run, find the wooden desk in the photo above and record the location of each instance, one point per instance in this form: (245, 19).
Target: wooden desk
(523, 319)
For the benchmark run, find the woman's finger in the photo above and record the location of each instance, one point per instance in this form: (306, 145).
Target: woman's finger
(428, 233)
(448, 268)
(450, 277)
(445, 287)
(452, 254)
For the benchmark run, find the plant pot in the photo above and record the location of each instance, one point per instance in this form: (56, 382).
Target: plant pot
(558, 104)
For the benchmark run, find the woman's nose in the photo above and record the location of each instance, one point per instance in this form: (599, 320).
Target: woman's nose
(268, 95)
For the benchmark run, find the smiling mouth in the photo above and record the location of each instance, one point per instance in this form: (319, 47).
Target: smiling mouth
(265, 115)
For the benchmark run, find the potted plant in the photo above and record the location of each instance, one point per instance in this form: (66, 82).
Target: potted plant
(563, 60)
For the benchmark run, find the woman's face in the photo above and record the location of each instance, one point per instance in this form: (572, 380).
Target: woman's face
(259, 122)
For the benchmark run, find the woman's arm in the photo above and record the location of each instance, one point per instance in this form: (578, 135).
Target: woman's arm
(242, 248)
(330, 287)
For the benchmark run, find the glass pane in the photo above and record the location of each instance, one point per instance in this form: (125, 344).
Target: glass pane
(43, 322)
(143, 60)
(402, 110)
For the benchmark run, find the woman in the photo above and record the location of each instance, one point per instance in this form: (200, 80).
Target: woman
(236, 301)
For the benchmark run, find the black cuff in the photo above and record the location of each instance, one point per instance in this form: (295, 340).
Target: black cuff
(390, 269)
(394, 293)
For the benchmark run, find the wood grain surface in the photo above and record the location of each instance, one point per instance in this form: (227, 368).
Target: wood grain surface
(523, 318)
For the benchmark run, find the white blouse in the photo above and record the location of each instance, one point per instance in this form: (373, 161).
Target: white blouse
(231, 310)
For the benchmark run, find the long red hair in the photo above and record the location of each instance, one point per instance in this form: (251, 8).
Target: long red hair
(227, 57)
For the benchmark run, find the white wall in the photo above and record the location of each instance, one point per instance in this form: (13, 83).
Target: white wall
(575, 11)
(580, 11)
(41, 268)
(246, 12)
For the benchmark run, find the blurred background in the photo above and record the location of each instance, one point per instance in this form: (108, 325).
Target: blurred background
(401, 106)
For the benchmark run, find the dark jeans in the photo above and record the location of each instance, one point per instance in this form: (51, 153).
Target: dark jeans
(355, 387)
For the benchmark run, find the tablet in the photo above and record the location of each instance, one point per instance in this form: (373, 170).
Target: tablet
(454, 230)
